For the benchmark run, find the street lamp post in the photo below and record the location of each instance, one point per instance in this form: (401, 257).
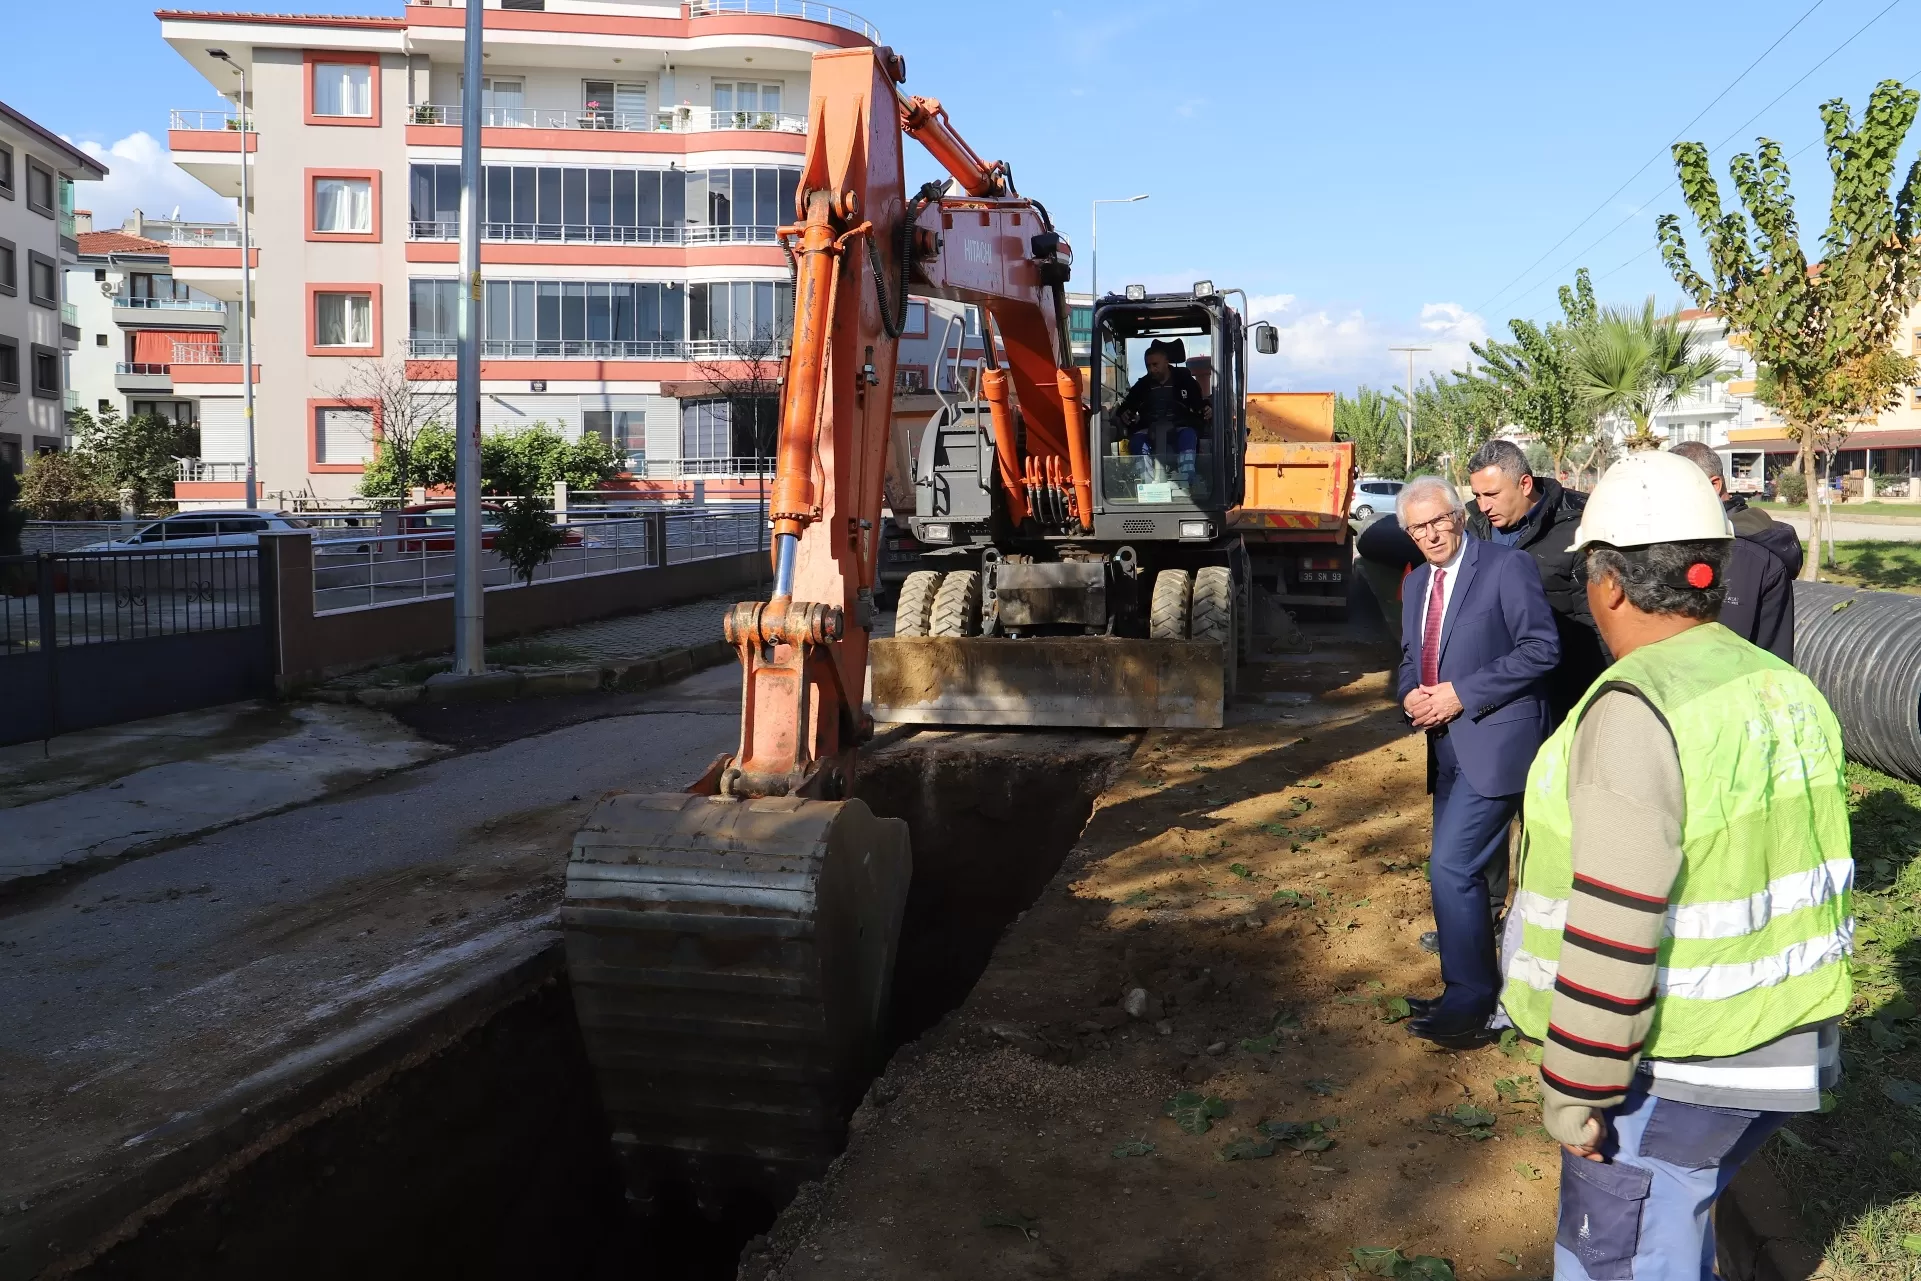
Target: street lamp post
(246, 276)
(1409, 465)
(470, 601)
(1094, 239)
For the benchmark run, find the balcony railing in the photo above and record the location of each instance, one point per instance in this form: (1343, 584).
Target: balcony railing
(189, 353)
(675, 120)
(591, 349)
(806, 10)
(140, 367)
(205, 237)
(592, 234)
(676, 468)
(70, 400)
(193, 469)
(216, 121)
(169, 304)
(69, 314)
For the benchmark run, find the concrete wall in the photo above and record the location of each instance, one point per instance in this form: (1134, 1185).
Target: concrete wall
(310, 647)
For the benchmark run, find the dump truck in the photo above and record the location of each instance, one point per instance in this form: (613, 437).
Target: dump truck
(1293, 515)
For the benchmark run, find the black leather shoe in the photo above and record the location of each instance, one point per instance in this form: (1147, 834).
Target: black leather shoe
(1420, 1007)
(1452, 1032)
(1431, 942)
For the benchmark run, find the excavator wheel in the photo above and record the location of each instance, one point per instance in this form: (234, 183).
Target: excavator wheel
(1213, 617)
(1167, 614)
(731, 963)
(957, 605)
(916, 604)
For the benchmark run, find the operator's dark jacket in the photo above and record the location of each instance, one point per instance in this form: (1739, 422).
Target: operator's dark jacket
(1550, 528)
(1777, 536)
(1760, 580)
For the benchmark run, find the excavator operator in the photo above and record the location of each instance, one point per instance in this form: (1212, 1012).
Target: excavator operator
(1166, 410)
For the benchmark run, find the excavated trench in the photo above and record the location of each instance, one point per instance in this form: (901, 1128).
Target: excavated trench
(490, 1158)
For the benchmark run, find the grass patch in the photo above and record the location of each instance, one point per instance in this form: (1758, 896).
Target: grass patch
(1844, 510)
(1855, 1171)
(1888, 567)
(527, 653)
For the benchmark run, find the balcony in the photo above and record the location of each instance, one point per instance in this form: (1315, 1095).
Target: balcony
(142, 377)
(676, 120)
(200, 471)
(208, 363)
(805, 10)
(219, 120)
(683, 349)
(173, 313)
(594, 234)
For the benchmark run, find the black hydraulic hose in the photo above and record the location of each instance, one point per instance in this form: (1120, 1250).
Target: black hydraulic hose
(1862, 649)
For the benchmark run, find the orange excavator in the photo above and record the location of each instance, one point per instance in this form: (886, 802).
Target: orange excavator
(730, 947)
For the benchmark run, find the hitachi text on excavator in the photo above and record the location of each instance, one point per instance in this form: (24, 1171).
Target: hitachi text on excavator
(730, 947)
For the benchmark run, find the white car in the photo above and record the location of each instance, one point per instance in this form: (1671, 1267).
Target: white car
(192, 531)
(1374, 494)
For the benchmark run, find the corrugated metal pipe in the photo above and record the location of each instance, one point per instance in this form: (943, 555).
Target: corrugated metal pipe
(1863, 650)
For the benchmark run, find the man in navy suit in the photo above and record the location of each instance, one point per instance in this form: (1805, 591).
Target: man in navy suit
(1477, 643)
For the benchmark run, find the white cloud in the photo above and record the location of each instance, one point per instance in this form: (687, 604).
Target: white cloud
(1328, 349)
(141, 175)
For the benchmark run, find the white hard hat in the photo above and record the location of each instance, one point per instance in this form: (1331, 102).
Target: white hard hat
(1652, 497)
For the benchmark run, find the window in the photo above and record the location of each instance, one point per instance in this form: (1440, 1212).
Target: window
(1080, 329)
(343, 206)
(531, 6)
(99, 340)
(343, 320)
(9, 269)
(610, 104)
(752, 105)
(43, 280)
(103, 404)
(40, 193)
(9, 364)
(46, 371)
(10, 454)
(343, 435)
(753, 313)
(910, 378)
(343, 89)
(706, 429)
(524, 319)
(916, 319)
(6, 176)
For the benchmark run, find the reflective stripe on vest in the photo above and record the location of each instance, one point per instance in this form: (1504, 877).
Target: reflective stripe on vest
(1759, 919)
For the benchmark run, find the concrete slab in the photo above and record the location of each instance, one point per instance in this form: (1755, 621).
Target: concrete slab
(244, 762)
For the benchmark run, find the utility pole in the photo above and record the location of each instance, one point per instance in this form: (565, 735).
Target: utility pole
(1094, 239)
(1408, 467)
(246, 273)
(470, 602)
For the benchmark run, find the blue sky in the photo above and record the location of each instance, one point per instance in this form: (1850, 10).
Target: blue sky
(1374, 174)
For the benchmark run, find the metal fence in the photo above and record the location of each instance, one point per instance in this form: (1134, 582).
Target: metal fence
(356, 573)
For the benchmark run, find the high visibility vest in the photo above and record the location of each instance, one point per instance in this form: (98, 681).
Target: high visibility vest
(1760, 921)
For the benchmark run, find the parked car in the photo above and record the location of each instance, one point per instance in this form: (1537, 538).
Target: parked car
(1373, 494)
(190, 531)
(421, 518)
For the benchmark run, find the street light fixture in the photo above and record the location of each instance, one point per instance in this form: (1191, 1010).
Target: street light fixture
(1094, 236)
(246, 275)
(1409, 466)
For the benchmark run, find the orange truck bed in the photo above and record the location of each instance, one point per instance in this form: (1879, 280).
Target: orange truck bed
(1300, 480)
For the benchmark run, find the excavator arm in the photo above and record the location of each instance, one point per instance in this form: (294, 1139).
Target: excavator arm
(860, 245)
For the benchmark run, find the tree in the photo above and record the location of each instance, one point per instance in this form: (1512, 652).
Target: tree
(1372, 422)
(1823, 334)
(1456, 415)
(530, 460)
(525, 537)
(1534, 371)
(1631, 363)
(139, 454)
(413, 440)
(67, 486)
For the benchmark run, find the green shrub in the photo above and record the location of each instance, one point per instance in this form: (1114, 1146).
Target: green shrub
(1791, 487)
(68, 486)
(426, 461)
(526, 537)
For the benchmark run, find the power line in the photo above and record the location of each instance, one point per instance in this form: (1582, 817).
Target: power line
(1658, 155)
(1738, 129)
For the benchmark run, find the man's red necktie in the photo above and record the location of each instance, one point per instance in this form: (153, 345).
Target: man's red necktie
(1431, 631)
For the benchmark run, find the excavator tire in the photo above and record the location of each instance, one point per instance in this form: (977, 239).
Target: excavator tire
(1212, 617)
(957, 605)
(731, 963)
(1167, 614)
(916, 603)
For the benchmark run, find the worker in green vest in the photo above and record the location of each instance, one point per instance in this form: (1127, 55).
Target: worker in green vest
(1680, 939)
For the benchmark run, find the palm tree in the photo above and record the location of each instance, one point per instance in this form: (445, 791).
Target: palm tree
(1632, 363)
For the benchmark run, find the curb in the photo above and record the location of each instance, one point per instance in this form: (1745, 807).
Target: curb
(618, 675)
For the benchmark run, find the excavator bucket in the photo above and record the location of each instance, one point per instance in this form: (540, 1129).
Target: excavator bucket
(1101, 682)
(731, 963)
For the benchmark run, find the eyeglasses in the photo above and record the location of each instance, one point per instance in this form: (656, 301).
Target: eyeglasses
(1427, 527)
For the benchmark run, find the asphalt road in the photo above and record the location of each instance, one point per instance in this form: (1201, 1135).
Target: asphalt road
(1847, 531)
(136, 995)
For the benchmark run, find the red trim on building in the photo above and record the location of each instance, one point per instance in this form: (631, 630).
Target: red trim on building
(209, 489)
(184, 374)
(285, 19)
(352, 237)
(219, 140)
(683, 28)
(527, 253)
(310, 58)
(369, 287)
(622, 140)
(317, 403)
(580, 371)
(210, 256)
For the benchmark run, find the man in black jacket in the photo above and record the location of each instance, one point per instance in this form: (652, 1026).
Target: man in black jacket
(1520, 509)
(1760, 583)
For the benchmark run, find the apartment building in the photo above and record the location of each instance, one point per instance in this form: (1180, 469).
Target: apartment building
(131, 314)
(38, 328)
(639, 157)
